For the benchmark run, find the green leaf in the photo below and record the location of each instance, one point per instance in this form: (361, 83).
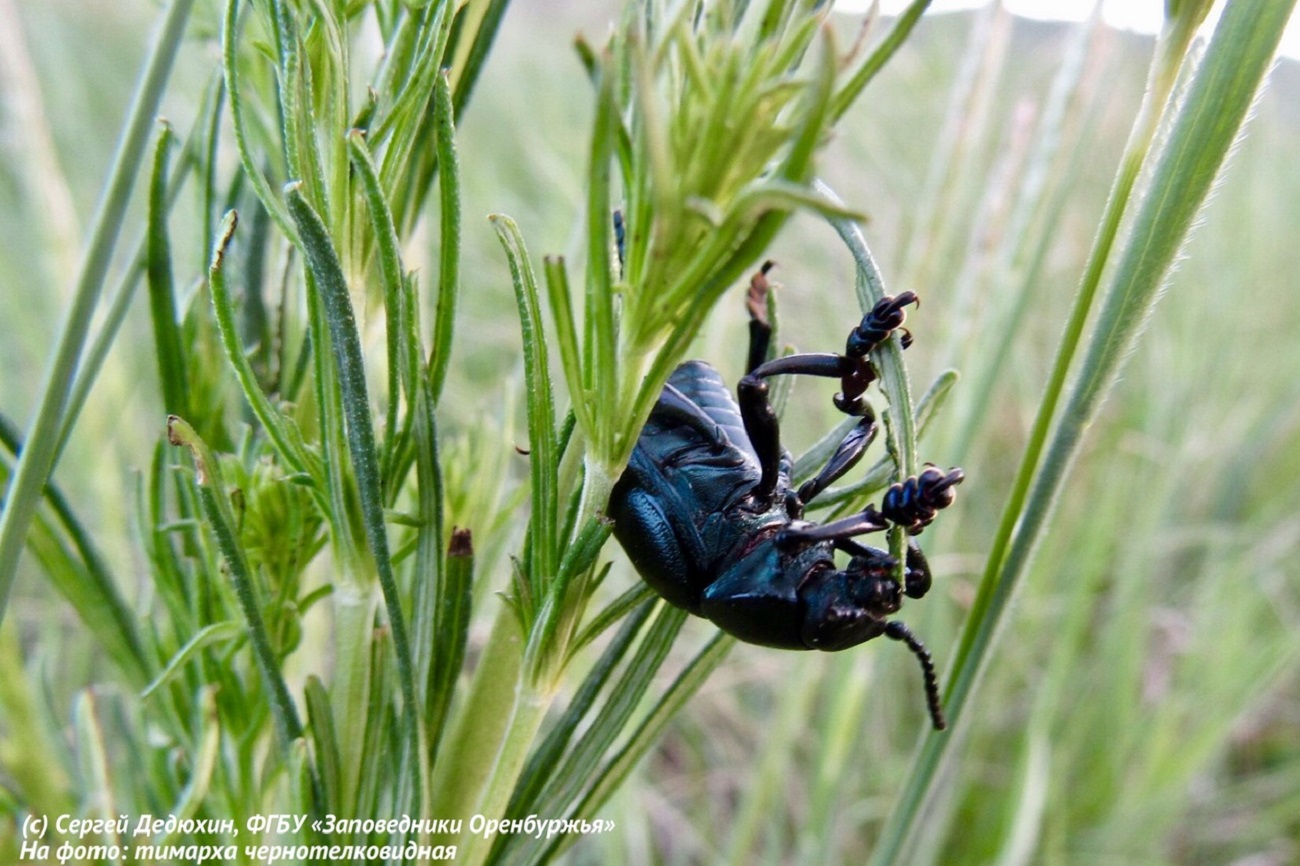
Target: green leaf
(324, 742)
(453, 606)
(350, 366)
(560, 297)
(88, 585)
(543, 442)
(547, 763)
(449, 227)
(213, 633)
(249, 160)
(281, 432)
(401, 356)
(202, 770)
(900, 422)
(578, 769)
(216, 508)
(615, 772)
(849, 92)
(162, 303)
(555, 791)
(600, 371)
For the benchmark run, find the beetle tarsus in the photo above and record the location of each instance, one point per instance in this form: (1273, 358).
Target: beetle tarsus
(916, 580)
(914, 503)
(883, 319)
(760, 328)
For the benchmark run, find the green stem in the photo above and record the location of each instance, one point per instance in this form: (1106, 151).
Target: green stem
(1170, 49)
(527, 713)
(36, 463)
(852, 89)
(354, 626)
(482, 724)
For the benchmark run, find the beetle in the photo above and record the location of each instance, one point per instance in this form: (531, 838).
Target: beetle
(707, 513)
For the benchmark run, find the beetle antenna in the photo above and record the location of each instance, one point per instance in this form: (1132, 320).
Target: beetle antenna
(900, 632)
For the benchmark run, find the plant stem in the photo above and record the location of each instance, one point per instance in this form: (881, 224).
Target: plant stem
(480, 724)
(354, 625)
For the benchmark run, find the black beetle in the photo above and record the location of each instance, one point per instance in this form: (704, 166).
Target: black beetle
(707, 514)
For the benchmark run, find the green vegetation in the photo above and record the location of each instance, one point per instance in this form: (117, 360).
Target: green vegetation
(304, 514)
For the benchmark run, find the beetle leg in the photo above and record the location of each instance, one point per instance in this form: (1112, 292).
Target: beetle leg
(760, 329)
(876, 326)
(764, 433)
(759, 418)
(857, 548)
(917, 580)
(880, 321)
(865, 521)
(846, 456)
(918, 571)
(825, 364)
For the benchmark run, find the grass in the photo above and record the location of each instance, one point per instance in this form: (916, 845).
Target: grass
(293, 618)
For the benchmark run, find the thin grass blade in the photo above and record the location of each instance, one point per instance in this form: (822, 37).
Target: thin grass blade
(90, 586)
(36, 463)
(449, 218)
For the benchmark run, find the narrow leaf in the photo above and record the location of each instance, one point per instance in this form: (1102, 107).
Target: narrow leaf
(449, 216)
(401, 373)
(249, 160)
(216, 508)
(213, 633)
(162, 303)
(92, 590)
(616, 771)
(568, 781)
(282, 435)
(542, 438)
(324, 742)
(876, 60)
(560, 296)
(1198, 142)
(350, 366)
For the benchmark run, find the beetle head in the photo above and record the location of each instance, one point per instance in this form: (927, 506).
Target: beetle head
(849, 607)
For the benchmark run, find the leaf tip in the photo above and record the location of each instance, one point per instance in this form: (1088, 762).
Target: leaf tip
(461, 544)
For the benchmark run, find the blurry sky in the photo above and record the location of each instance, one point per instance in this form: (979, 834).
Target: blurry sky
(1143, 16)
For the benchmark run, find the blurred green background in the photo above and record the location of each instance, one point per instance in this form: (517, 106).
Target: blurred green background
(1145, 705)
